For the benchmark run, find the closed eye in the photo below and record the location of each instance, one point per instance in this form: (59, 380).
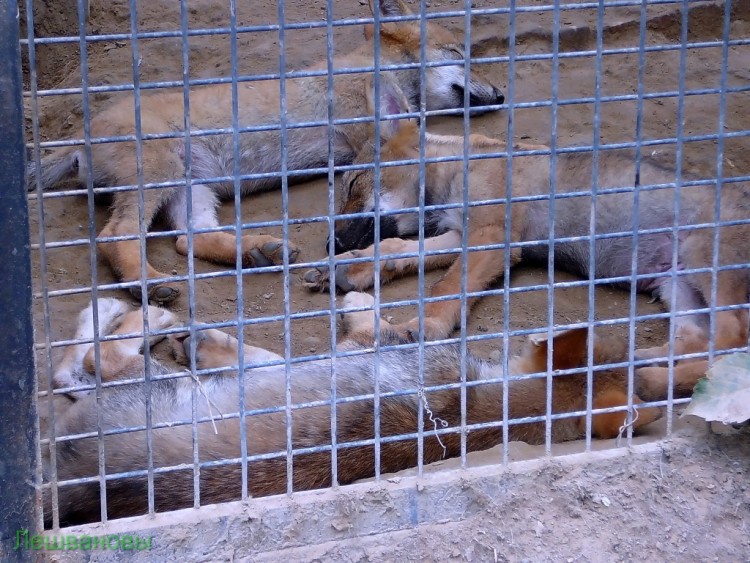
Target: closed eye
(350, 183)
(458, 54)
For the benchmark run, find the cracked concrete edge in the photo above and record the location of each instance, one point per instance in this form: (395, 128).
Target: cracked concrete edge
(257, 526)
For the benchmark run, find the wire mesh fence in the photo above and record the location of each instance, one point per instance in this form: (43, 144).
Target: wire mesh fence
(342, 243)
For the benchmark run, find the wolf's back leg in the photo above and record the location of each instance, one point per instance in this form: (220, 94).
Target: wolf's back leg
(110, 312)
(483, 267)
(217, 349)
(160, 163)
(691, 331)
(221, 247)
(122, 358)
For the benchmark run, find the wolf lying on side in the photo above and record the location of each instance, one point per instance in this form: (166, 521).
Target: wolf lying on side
(125, 406)
(529, 221)
(211, 156)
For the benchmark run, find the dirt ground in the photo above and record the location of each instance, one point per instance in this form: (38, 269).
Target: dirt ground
(68, 267)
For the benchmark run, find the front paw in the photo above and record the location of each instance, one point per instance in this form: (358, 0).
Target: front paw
(433, 329)
(270, 253)
(658, 354)
(317, 279)
(161, 319)
(348, 277)
(162, 293)
(652, 383)
(213, 348)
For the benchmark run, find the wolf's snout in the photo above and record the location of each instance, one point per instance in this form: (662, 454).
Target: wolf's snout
(355, 234)
(352, 234)
(499, 97)
(494, 97)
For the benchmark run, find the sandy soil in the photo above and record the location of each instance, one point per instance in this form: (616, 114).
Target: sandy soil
(68, 267)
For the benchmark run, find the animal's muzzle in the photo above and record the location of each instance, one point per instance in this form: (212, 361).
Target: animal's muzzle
(475, 101)
(354, 234)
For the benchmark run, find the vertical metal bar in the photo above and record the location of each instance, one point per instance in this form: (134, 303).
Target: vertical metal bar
(43, 276)
(421, 204)
(239, 279)
(510, 100)
(592, 223)
(719, 178)
(636, 215)
(18, 422)
(142, 228)
(142, 242)
(92, 253)
(185, 47)
(551, 248)
(465, 221)
(332, 238)
(677, 204)
(376, 248)
(285, 236)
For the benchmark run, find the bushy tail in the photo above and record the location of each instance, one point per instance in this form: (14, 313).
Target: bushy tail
(62, 164)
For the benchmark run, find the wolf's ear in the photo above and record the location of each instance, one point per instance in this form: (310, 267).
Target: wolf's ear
(568, 350)
(392, 102)
(391, 8)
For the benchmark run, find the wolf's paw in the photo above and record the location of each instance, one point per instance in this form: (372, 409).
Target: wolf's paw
(357, 299)
(349, 277)
(651, 383)
(110, 312)
(270, 253)
(160, 318)
(213, 348)
(317, 279)
(658, 354)
(358, 320)
(162, 293)
(434, 329)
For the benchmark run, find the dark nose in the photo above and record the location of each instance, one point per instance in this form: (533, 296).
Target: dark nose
(499, 98)
(338, 245)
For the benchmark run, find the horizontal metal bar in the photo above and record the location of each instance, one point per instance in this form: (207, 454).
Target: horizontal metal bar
(240, 30)
(405, 115)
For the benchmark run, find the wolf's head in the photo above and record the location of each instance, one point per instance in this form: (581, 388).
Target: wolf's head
(445, 81)
(398, 186)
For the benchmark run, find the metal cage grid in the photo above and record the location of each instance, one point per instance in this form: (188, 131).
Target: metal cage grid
(193, 324)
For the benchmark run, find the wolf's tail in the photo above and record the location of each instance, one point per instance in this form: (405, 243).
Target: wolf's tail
(64, 163)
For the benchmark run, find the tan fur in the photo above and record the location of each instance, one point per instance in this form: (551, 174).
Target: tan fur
(165, 160)
(529, 221)
(171, 400)
(119, 357)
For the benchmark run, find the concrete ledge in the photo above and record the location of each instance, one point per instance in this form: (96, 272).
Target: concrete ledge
(361, 511)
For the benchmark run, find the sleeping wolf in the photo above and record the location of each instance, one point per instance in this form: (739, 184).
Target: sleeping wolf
(264, 392)
(530, 221)
(212, 156)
